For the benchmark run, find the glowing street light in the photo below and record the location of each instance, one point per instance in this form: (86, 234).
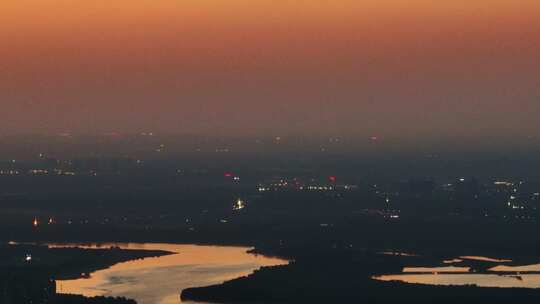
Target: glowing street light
(239, 205)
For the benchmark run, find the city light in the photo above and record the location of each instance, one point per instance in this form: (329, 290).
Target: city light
(239, 205)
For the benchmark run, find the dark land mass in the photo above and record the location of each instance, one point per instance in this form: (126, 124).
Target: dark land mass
(69, 263)
(74, 299)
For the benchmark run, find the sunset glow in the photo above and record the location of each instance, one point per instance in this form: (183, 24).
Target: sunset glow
(422, 67)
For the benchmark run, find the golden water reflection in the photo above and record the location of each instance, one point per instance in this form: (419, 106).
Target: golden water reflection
(481, 280)
(160, 280)
(535, 268)
(485, 259)
(436, 269)
(502, 276)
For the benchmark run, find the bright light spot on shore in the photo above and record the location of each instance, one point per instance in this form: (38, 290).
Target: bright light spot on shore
(239, 205)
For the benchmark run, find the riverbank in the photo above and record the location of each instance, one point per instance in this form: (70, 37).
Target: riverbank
(346, 281)
(72, 261)
(344, 274)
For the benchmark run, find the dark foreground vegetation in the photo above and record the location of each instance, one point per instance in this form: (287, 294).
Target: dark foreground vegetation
(74, 299)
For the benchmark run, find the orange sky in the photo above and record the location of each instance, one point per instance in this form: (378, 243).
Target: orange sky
(395, 67)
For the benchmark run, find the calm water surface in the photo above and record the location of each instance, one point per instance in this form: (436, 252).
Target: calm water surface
(481, 280)
(160, 280)
(502, 276)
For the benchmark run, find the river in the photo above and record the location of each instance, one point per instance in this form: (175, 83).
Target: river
(160, 280)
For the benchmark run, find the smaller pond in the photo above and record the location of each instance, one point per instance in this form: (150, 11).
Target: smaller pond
(502, 276)
(481, 280)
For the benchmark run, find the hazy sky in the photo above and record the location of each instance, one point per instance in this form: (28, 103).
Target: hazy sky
(232, 67)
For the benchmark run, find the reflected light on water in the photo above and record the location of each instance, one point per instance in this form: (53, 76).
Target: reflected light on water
(535, 267)
(160, 280)
(452, 261)
(485, 259)
(436, 269)
(481, 280)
